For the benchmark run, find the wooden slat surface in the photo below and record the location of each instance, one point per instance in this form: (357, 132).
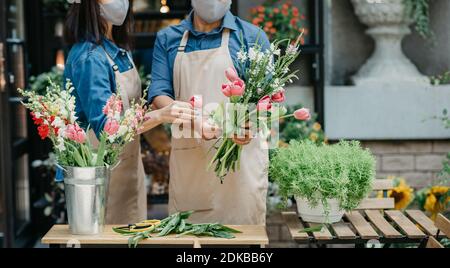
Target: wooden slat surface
(423, 221)
(251, 235)
(377, 203)
(363, 228)
(385, 184)
(433, 243)
(294, 225)
(382, 224)
(323, 234)
(443, 224)
(405, 224)
(343, 231)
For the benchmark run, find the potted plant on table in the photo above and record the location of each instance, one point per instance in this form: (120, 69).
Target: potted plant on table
(326, 180)
(86, 167)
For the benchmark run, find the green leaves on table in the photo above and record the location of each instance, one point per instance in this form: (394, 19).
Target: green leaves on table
(177, 224)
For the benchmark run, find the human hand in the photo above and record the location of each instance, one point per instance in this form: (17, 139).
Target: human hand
(246, 138)
(177, 112)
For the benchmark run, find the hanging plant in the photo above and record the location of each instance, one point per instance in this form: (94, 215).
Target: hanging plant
(419, 11)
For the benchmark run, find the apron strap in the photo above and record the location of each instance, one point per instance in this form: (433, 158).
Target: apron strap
(183, 43)
(122, 93)
(225, 38)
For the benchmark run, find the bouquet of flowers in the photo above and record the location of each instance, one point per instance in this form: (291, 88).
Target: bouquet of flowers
(55, 117)
(254, 95)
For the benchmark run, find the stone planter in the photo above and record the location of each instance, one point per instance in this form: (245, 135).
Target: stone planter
(388, 24)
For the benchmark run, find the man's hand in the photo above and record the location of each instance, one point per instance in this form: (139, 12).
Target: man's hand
(246, 138)
(176, 112)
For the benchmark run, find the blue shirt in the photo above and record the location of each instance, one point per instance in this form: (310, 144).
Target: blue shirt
(92, 75)
(168, 40)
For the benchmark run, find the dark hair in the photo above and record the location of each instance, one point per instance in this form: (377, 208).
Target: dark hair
(84, 22)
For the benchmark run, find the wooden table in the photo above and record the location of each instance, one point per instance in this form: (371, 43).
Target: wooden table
(251, 236)
(360, 227)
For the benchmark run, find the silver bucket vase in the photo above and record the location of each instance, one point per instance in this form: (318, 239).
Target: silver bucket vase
(86, 195)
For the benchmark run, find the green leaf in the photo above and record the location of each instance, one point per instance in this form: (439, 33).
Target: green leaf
(101, 151)
(317, 228)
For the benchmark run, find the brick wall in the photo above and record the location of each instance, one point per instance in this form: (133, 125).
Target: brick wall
(419, 162)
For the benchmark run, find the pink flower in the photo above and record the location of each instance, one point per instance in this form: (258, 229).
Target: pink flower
(231, 74)
(196, 101)
(111, 126)
(75, 133)
(114, 104)
(237, 88)
(279, 96)
(264, 104)
(226, 90)
(302, 114)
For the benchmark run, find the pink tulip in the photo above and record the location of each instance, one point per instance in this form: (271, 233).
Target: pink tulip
(237, 88)
(279, 96)
(75, 133)
(111, 126)
(264, 104)
(302, 114)
(231, 74)
(226, 90)
(196, 101)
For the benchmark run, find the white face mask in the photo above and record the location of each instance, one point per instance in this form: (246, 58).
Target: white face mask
(211, 10)
(115, 11)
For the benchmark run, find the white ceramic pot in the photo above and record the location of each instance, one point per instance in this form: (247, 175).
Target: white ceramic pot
(317, 214)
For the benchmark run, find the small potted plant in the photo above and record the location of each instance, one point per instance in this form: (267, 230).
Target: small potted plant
(326, 180)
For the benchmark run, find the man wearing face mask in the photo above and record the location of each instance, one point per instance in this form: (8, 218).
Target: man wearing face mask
(191, 59)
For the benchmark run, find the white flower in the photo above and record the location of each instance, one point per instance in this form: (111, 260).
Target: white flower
(291, 50)
(242, 56)
(259, 91)
(252, 54)
(60, 144)
(122, 131)
(275, 51)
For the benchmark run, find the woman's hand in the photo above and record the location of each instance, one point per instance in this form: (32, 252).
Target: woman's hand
(177, 112)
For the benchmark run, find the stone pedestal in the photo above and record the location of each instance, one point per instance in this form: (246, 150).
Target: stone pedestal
(388, 24)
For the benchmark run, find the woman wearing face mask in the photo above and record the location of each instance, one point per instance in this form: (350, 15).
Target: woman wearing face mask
(191, 59)
(99, 64)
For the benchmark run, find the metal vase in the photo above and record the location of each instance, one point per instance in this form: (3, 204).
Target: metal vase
(86, 195)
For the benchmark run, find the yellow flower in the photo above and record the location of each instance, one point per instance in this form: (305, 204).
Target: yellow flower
(434, 203)
(402, 193)
(313, 137)
(317, 126)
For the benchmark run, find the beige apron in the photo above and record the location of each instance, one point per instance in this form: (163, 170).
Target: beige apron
(241, 199)
(127, 197)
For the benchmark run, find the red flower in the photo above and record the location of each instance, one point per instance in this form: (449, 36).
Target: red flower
(295, 11)
(43, 131)
(294, 22)
(36, 121)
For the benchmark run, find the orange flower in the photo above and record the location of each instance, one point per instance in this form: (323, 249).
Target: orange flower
(285, 12)
(266, 29)
(276, 10)
(269, 24)
(273, 30)
(261, 9)
(256, 21)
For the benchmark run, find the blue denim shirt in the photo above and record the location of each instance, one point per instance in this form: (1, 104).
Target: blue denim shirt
(93, 78)
(169, 39)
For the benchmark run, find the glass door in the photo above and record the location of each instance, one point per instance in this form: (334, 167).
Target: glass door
(14, 138)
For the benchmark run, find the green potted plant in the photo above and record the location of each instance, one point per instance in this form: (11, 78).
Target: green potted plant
(326, 180)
